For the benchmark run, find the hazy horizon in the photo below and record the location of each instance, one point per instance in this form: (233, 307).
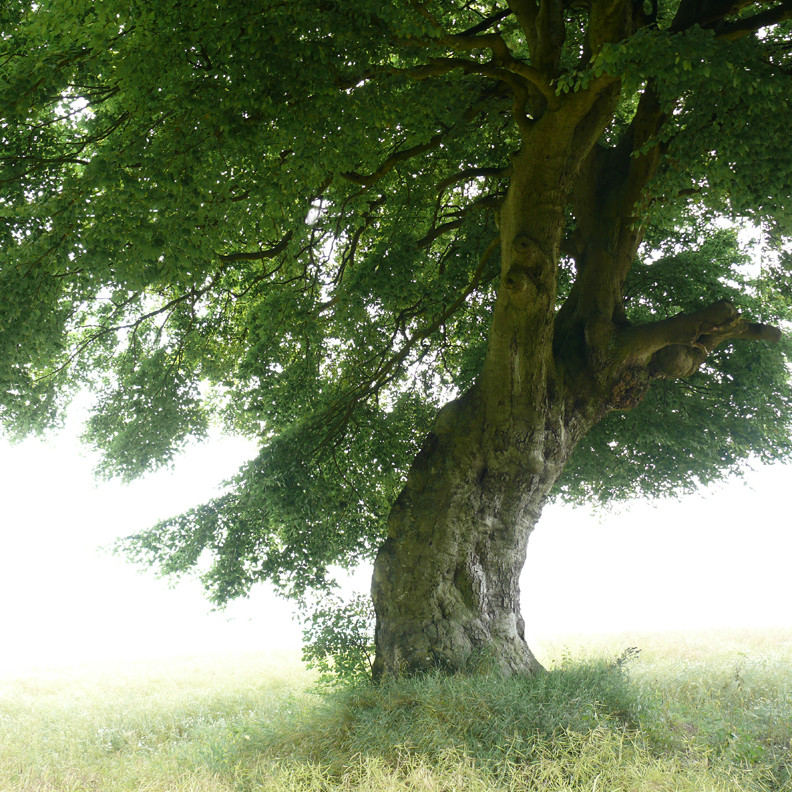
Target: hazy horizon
(711, 560)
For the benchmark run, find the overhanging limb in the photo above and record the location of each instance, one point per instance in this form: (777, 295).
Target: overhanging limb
(676, 347)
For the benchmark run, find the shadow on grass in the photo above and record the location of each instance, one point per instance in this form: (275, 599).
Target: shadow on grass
(569, 728)
(584, 725)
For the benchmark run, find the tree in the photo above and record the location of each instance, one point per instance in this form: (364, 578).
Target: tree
(318, 222)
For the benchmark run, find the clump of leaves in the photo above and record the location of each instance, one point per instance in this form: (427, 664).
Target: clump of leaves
(338, 639)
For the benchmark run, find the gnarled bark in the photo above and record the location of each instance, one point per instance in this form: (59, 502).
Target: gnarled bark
(446, 581)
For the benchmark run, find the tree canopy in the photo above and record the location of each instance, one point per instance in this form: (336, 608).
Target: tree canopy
(284, 217)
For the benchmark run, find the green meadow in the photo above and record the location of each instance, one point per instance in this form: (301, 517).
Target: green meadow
(637, 713)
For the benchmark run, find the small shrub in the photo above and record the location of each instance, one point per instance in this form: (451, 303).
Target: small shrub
(339, 639)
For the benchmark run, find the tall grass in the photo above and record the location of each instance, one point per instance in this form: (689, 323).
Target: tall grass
(706, 713)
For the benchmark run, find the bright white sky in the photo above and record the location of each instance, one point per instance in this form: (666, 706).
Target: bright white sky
(718, 559)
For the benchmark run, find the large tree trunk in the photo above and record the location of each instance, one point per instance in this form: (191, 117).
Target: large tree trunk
(446, 582)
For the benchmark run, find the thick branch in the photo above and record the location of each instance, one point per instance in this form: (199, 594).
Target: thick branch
(606, 204)
(502, 57)
(503, 62)
(696, 12)
(259, 255)
(367, 180)
(472, 173)
(492, 41)
(537, 79)
(712, 15)
(526, 12)
(550, 36)
(677, 347)
(748, 25)
(486, 23)
(643, 341)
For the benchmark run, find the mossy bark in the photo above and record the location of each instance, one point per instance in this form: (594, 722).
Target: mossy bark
(446, 582)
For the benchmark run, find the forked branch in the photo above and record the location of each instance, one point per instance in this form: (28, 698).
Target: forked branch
(677, 347)
(367, 180)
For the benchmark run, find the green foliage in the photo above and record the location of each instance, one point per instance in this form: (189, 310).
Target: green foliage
(142, 426)
(285, 517)
(191, 229)
(339, 639)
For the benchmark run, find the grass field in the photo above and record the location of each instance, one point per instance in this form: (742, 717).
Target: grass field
(687, 713)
